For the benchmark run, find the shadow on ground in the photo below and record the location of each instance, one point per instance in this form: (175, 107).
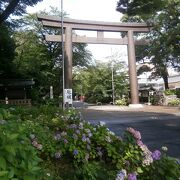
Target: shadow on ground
(159, 126)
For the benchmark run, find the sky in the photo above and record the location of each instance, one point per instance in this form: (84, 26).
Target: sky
(97, 10)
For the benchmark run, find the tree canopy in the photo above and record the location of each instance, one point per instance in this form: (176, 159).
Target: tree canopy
(163, 48)
(25, 54)
(41, 60)
(140, 7)
(14, 7)
(95, 82)
(7, 53)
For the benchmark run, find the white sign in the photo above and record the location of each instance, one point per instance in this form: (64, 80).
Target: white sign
(68, 96)
(51, 92)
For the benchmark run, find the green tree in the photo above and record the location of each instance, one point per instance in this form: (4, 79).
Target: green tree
(42, 60)
(7, 46)
(15, 7)
(163, 49)
(95, 82)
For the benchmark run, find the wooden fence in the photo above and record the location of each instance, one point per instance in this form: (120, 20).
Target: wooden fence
(24, 102)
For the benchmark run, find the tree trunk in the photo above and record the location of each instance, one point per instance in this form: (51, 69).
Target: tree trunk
(165, 79)
(9, 10)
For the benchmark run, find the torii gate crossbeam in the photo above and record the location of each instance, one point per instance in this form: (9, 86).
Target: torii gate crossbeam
(100, 27)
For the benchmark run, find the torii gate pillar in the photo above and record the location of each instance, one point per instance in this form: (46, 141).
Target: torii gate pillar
(68, 58)
(132, 69)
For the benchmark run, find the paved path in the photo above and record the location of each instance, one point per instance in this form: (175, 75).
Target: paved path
(159, 126)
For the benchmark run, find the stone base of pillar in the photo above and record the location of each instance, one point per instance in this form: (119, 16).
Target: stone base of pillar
(135, 105)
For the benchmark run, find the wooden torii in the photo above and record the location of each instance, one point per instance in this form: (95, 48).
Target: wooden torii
(71, 24)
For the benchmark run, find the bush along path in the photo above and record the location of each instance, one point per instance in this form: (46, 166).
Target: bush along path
(47, 143)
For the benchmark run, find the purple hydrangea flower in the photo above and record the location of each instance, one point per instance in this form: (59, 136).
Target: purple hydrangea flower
(156, 155)
(73, 126)
(84, 138)
(77, 131)
(75, 152)
(65, 141)
(132, 176)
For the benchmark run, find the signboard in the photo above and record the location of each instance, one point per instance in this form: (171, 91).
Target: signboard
(51, 92)
(68, 96)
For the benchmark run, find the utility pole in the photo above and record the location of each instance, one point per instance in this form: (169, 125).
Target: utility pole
(62, 49)
(112, 68)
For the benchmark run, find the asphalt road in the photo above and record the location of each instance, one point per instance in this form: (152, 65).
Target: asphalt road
(159, 126)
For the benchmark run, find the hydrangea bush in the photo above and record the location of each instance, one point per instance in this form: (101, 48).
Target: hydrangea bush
(47, 143)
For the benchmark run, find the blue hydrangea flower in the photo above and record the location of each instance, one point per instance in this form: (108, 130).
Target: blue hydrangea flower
(75, 152)
(121, 175)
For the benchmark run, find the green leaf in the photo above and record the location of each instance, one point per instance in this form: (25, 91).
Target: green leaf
(36, 169)
(10, 149)
(13, 136)
(3, 173)
(1, 116)
(28, 178)
(11, 173)
(2, 163)
(139, 170)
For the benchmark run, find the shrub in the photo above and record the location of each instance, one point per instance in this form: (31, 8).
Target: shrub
(170, 92)
(174, 102)
(178, 92)
(67, 147)
(121, 102)
(18, 159)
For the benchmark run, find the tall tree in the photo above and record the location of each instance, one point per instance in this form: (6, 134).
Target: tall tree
(95, 82)
(163, 49)
(41, 60)
(15, 7)
(7, 47)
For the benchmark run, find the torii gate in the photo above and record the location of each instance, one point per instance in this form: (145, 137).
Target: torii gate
(100, 27)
